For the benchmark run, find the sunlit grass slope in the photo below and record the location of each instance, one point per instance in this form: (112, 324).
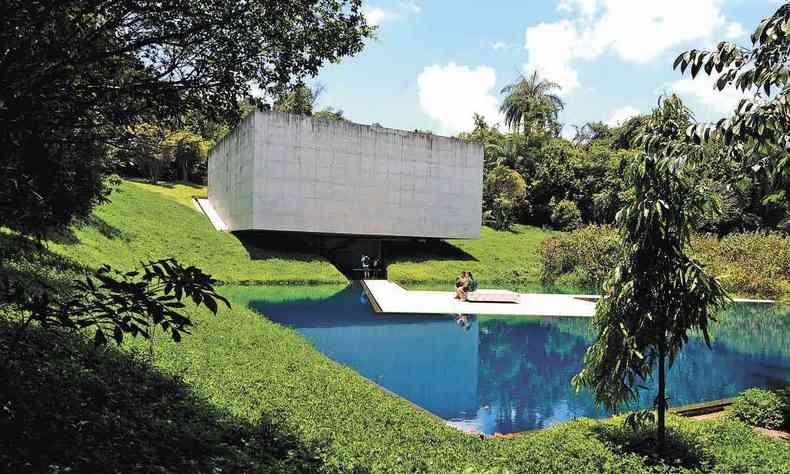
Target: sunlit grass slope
(145, 221)
(498, 257)
(243, 394)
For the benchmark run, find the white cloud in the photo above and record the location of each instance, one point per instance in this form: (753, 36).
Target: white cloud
(587, 7)
(376, 15)
(734, 30)
(412, 7)
(702, 91)
(452, 93)
(619, 116)
(549, 46)
(500, 45)
(634, 31)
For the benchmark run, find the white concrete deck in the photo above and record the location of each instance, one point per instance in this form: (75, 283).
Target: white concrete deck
(389, 297)
(206, 208)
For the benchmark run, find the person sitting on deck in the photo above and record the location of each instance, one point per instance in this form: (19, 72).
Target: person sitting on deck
(471, 284)
(460, 284)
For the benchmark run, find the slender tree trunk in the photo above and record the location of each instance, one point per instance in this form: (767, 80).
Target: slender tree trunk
(662, 401)
(183, 170)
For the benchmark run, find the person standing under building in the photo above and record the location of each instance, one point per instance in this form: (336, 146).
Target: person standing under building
(376, 267)
(365, 261)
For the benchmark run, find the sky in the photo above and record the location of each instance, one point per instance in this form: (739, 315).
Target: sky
(434, 63)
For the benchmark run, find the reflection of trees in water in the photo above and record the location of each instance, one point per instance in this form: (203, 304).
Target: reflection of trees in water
(525, 372)
(751, 348)
(526, 366)
(754, 328)
(700, 374)
(746, 327)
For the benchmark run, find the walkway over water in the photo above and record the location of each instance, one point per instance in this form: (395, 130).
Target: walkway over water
(388, 297)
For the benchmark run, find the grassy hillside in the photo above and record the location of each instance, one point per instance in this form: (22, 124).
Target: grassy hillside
(145, 221)
(243, 394)
(496, 258)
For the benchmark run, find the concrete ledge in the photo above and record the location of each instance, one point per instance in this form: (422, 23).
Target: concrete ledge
(702, 408)
(371, 299)
(389, 298)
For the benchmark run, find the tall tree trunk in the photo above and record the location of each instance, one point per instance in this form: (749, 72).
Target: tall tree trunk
(662, 401)
(183, 172)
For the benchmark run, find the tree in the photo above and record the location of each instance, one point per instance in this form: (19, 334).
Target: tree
(756, 134)
(77, 75)
(565, 215)
(507, 151)
(656, 293)
(531, 105)
(331, 114)
(188, 151)
(489, 137)
(758, 127)
(590, 131)
(299, 101)
(506, 188)
(148, 151)
(624, 136)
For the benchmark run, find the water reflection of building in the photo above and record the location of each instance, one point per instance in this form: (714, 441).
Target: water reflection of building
(431, 361)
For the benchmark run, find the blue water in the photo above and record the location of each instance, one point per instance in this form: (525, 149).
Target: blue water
(506, 374)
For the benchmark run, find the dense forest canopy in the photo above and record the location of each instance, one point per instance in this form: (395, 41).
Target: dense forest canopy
(580, 181)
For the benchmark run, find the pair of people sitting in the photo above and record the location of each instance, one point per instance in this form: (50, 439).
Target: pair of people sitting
(465, 283)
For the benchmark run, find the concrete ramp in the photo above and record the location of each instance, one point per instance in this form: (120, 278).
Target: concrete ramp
(388, 297)
(204, 206)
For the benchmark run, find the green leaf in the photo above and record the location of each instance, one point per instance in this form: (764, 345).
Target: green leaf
(210, 303)
(99, 339)
(678, 60)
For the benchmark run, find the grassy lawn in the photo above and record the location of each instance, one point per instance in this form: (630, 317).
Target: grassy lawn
(145, 221)
(243, 394)
(496, 258)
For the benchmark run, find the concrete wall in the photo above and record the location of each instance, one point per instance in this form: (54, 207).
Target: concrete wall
(231, 176)
(343, 178)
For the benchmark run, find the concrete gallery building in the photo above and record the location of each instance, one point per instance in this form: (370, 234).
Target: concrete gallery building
(282, 172)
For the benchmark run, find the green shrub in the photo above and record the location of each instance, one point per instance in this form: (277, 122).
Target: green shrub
(751, 264)
(760, 407)
(565, 215)
(587, 254)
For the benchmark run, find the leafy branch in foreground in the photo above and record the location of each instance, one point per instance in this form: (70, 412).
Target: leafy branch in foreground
(119, 303)
(758, 126)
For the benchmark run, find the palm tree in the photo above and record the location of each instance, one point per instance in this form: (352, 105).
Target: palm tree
(530, 103)
(507, 151)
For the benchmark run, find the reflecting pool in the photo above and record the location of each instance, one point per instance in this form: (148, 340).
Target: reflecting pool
(509, 374)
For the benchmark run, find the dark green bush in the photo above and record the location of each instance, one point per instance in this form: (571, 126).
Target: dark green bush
(565, 215)
(763, 408)
(587, 255)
